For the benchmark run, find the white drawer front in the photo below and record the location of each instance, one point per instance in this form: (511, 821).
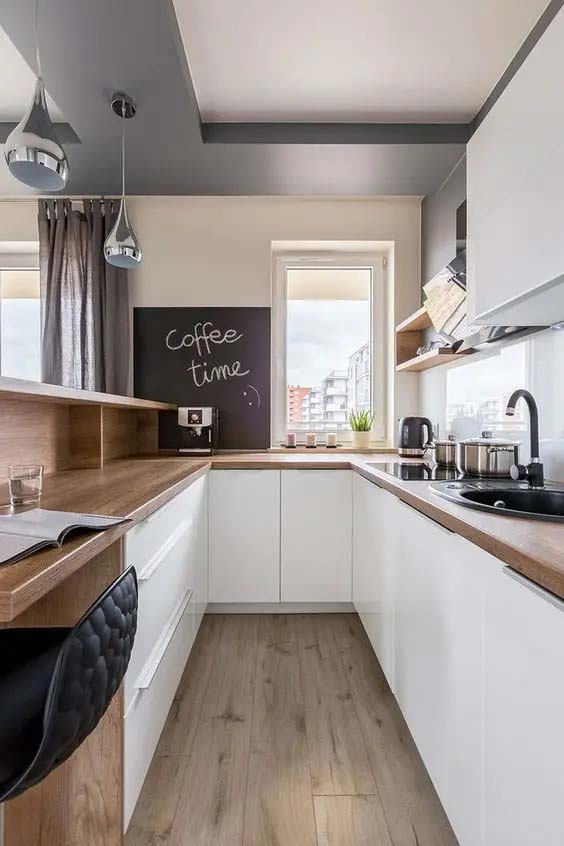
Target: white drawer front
(143, 541)
(162, 583)
(146, 715)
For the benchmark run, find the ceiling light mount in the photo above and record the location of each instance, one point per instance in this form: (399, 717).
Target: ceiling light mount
(123, 105)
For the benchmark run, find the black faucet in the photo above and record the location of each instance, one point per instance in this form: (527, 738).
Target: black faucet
(533, 472)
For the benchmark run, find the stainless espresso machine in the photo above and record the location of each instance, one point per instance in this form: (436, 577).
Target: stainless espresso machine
(198, 430)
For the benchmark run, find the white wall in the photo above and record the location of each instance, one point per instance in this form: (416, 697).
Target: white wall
(216, 251)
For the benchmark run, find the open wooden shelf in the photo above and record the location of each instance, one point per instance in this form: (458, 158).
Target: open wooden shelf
(410, 336)
(430, 359)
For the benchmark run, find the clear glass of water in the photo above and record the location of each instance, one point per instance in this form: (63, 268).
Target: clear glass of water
(25, 482)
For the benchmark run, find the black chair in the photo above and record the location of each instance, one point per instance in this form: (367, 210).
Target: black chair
(56, 684)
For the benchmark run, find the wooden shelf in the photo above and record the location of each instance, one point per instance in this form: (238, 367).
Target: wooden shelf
(410, 335)
(434, 358)
(42, 392)
(416, 322)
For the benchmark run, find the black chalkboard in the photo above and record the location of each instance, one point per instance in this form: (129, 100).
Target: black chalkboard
(208, 356)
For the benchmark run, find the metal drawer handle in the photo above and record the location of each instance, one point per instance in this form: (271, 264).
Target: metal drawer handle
(149, 671)
(160, 511)
(157, 559)
(426, 517)
(534, 588)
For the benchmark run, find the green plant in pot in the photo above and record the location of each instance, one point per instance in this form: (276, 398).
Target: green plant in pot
(361, 425)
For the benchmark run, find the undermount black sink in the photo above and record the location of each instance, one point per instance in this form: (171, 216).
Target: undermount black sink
(518, 501)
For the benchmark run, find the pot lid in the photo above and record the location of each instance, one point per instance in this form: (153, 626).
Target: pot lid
(490, 441)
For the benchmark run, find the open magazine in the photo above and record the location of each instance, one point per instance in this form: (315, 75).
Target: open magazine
(27, 532)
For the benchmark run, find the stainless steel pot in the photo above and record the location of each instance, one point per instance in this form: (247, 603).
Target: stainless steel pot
(487, 457)
(445, 452)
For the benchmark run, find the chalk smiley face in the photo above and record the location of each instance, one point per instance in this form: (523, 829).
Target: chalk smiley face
(251, 396)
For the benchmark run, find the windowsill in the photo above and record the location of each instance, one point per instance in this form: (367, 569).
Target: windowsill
(373, 449)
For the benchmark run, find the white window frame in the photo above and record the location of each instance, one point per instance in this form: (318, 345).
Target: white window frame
(284, 261)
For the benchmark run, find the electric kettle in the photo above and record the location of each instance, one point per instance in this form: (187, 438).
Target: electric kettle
(412, 437)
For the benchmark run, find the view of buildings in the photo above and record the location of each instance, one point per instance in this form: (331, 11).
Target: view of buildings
(328, 405)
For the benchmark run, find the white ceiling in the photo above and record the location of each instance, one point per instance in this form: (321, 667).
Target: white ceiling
(361, 60)
(18, 81)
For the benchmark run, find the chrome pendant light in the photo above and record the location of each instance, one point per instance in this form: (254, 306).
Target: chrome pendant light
(122, 249)
(33, 152)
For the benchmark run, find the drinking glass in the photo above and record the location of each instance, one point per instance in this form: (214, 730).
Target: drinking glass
(25, 482)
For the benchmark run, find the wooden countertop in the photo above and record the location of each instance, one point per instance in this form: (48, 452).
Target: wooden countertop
(135, 487)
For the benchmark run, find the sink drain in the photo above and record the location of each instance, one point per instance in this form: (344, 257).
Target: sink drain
(499, 503)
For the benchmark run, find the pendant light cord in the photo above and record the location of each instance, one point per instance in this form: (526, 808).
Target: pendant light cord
(37, 56)
(123, 152)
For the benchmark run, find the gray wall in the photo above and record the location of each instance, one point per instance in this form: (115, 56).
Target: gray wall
(438, 222)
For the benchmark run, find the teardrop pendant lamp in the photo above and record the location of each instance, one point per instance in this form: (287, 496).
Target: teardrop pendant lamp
(33, 152)
(122, 249)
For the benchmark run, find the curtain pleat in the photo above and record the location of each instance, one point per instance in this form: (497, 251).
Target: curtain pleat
(85, 301)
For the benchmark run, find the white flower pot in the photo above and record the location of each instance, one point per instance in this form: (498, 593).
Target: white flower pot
(361, 440)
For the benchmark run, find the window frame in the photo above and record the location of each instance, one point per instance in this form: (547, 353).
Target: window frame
(303, 259)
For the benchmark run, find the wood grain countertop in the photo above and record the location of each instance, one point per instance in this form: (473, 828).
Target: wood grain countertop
(136, 487)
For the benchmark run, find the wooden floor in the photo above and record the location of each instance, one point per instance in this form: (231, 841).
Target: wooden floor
(284, 733)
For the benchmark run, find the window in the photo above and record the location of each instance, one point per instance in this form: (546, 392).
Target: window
(20, 324)
(477, 393)
(328, 330)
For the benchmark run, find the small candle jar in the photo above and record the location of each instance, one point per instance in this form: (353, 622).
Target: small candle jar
(331, 440)
(311, 440)
(290, 440)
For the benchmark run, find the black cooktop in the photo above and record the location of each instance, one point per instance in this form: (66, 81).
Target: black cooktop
(412, 471)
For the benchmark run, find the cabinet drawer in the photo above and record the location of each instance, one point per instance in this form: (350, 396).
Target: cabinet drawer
(146, 715)
(144, 541)
(162, 582)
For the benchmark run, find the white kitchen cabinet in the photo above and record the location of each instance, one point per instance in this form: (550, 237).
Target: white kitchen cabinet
(515, 183)
(244, 536)
(316, 536)
(376, 528)
(438, 661)
(524, 714)
(169, 551)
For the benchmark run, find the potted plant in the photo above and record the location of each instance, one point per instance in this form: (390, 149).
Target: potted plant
(361, 425)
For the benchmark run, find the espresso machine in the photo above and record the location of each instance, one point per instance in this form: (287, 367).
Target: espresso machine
(198, 430)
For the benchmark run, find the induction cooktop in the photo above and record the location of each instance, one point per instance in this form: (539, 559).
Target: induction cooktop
(413, 471)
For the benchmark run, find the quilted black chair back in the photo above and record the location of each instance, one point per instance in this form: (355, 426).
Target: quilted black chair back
(84, 672)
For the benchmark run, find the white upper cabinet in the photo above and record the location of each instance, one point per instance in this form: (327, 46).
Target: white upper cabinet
(515, 187)
(524, 714)
(316, 540)
(376, 528)
(244, 536)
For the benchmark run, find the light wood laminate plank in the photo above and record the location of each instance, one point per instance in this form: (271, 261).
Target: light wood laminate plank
(413, 811)
(338, 759)
(43, 392)
(182, 721)
(152, 820)
(279, 807)
(212, 804)
(351, 821)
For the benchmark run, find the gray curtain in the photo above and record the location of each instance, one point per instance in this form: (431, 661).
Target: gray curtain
(86, 336)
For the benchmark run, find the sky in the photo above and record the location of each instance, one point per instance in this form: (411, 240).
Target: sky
(322, 334)
(20, 338)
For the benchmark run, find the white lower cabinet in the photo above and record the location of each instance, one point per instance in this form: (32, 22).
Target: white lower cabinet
(169, 552)
(524, 714)
(316, 536)
(376, 528)
(438, 661)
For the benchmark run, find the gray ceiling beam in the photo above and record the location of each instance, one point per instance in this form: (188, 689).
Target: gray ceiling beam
(335, 133)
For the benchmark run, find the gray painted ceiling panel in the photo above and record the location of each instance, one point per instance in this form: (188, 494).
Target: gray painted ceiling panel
(91, 48)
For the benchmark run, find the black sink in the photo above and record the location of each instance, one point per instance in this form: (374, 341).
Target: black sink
(499, 497)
